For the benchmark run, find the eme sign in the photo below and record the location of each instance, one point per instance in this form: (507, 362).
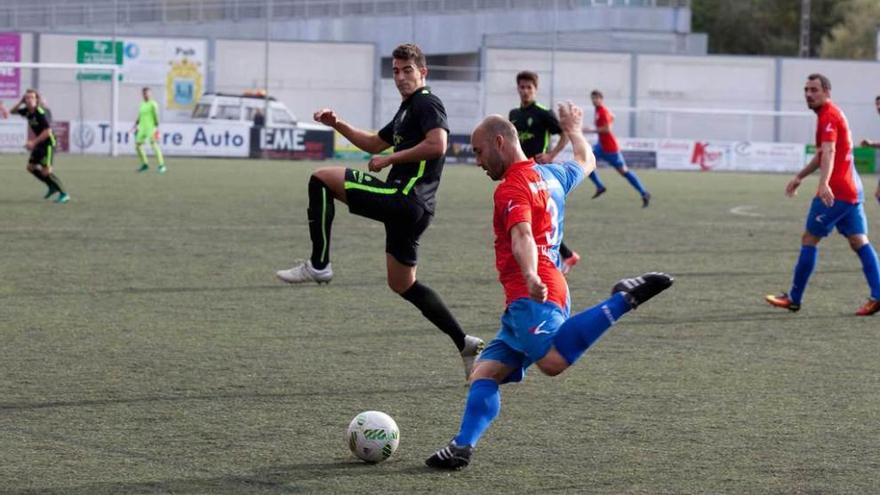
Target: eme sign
(282, 139)
(291, 143)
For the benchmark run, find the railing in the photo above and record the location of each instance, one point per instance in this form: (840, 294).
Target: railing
(20, 14)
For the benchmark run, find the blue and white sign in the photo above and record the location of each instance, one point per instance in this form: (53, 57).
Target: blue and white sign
(176, 139)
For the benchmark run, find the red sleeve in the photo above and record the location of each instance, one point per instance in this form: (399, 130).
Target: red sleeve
(513, 204)
(828, 128)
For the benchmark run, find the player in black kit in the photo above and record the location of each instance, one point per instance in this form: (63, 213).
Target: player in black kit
(404, 201)
(42, 145)
(535, 123)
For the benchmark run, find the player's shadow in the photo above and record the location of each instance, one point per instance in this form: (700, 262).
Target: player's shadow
(291, 478)
(143, 290)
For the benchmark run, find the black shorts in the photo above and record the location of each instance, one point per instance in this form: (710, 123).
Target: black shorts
(42, 155)
(405, 219)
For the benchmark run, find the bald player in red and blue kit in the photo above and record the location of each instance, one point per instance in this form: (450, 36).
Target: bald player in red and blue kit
(838, 202)
(536, 327)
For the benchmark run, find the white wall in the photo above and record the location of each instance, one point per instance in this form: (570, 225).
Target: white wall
(719, 82)
(854, 85)
(305, 76)
(568, 75)
(461, 99)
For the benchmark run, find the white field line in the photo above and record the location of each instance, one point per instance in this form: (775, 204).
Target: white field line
(743, 210)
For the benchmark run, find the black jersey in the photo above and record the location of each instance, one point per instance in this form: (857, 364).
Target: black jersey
(39, 121)
(417, 115)
(534, 123)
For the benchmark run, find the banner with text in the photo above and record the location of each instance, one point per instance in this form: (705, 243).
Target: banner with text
(10, 79)
(13, 135)
(176, 139)
(291, 143)
(176, 64)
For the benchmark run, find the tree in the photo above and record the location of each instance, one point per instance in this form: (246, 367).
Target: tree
(764, 27)
(855, 37)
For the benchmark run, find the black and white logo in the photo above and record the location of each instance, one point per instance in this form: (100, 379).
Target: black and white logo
(84, 137)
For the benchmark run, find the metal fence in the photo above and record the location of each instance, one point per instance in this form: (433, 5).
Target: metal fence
(38, 16)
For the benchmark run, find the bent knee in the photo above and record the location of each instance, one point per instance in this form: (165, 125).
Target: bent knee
(857, 241)
(551, 369)
(400, 286)
(327, 174)
(809, 239)
(552, 363)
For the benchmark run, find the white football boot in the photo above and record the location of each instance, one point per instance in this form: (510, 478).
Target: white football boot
(305, 272)
(473, 346)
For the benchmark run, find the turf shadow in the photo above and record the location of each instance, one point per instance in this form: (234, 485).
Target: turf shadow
(311, 394)
(270, 480)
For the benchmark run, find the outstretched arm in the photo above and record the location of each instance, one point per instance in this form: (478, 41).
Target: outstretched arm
(367, 141)
(571, 119)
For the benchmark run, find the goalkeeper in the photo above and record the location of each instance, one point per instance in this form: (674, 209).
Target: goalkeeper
(147, 129)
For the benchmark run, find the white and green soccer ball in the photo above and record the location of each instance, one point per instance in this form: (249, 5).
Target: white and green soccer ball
(372, 436)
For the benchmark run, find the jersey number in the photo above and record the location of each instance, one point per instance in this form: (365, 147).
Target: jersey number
(553, 212)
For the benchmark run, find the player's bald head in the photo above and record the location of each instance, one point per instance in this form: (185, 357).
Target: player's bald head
(496, 145)
(496, 125)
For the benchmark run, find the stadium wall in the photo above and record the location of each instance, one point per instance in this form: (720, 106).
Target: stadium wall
(757, 84)
(301, 75)
(304, 76)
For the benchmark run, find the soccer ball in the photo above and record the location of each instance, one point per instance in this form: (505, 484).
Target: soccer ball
(372, 436)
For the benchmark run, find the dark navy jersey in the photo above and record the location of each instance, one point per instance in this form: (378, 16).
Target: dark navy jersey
(419, 114)
(534, 123)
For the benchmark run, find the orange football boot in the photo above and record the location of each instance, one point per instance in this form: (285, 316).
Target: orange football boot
(782, 301)
(869, 308)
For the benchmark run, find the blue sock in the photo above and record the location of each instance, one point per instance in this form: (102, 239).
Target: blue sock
(871, 267)
(802, 270)
(634, 180)
(482, 406)
(582, 330)
(596, 180)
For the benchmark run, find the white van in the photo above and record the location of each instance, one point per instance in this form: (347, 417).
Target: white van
(225, 107)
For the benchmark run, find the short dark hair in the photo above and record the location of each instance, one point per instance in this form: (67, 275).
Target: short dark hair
(826, 83)
(598, 93)
(877, 98)
(410, 51)
(527, 75)
(146, 88)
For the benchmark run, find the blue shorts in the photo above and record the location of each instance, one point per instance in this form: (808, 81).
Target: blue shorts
(613, 159)
(526, 335)
(847, 217)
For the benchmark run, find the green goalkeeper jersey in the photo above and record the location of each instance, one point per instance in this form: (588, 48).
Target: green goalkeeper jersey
(148, 115)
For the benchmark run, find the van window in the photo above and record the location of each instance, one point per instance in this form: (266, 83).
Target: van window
(229, 112)
(280, 116)
(202, 111)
